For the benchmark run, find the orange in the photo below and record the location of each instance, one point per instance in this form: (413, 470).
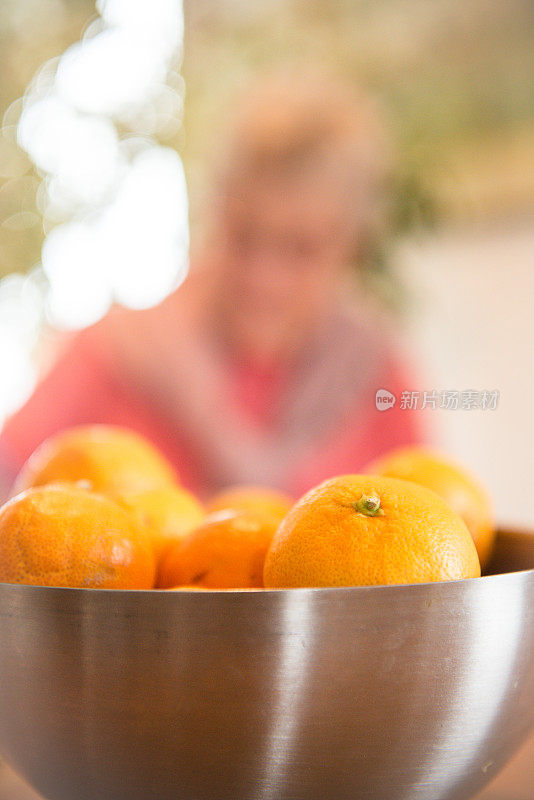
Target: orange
(226, 551)
(61, 535)
(455, 485)
(207, 589)
(364, 530)
(168, 513)
(110, 458)
(252, 498)
(188, 589)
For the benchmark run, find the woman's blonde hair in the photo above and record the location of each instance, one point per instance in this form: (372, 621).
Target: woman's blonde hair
(286, 123)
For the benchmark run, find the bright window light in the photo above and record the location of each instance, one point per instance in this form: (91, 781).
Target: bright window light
(89, 122)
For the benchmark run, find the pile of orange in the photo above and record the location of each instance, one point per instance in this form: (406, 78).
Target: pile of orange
(99, 507)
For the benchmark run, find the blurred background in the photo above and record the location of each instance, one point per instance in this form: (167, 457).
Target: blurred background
(455, 260)
(94, 209)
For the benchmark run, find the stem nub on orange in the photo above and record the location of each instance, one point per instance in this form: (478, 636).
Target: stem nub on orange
(364, 530)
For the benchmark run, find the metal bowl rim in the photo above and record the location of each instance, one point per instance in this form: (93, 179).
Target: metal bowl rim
(391, 587)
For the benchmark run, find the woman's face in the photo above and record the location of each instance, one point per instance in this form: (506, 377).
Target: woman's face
(283, 247)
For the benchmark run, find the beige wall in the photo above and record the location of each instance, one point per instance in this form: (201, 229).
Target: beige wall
(472, 322)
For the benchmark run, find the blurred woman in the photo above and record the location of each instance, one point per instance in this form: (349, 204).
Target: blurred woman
(263, 367)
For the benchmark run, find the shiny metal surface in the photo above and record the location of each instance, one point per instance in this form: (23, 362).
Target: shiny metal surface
(382, 693)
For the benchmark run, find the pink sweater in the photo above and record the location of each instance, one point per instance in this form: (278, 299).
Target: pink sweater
(300, 426)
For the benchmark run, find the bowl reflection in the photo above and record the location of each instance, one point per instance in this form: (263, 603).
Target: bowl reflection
(379, 693)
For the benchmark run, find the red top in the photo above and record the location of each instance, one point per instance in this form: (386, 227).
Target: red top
(83, 388)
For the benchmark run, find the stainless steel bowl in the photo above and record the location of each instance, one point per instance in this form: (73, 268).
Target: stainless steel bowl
(415, 692)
